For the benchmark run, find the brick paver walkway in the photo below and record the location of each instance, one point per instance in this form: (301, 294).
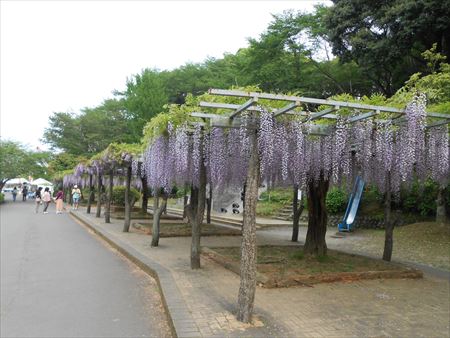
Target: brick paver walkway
(203, 303)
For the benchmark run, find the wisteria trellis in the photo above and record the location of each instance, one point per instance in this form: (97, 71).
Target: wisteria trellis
(290, 155)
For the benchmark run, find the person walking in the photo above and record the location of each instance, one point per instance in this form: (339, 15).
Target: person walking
(24, 192)
(38, 198)
(46, 198)
(76, 194)
(59, 201)
(14, 193)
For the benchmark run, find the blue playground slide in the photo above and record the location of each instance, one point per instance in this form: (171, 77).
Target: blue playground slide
(352, 207)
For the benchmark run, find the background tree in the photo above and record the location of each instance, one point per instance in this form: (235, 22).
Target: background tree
(145, 97)
(385, 37)
(16, 161)
(91, 131)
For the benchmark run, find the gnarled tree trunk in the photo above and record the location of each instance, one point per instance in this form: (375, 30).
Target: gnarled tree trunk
(247, 287)
(441, 214)
(99, 195)
(388, 224)
(157, 212)
(317, 217)
(185, 201)
(297, 209)
(144, 205)
(109, 198)
(126, 224)
(195, 212)
(209, 205)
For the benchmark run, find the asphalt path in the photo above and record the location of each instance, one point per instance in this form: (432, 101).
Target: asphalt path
(60, 280)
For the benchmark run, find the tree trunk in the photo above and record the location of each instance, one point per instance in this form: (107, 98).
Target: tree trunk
(317, 217)
(157, 212)
(441, 214)
(209, 205)
(91, 194)
(109, 198)
(388, 224)
(144, 205)
(126, 224)
(99, 195)
(247, 287)
(297, 209)
(195, 213)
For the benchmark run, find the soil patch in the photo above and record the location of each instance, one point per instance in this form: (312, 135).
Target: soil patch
(180, 229)
(284, 266)
(425, 242)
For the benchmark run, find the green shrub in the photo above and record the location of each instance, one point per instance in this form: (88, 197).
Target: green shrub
(118, 196)
(420, 199)
(336, 201)
(2, 197)
(278, 195)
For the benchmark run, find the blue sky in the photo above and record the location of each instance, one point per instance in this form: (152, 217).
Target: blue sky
(66, 55)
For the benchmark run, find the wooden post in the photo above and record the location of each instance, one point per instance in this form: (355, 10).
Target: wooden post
(247, 287)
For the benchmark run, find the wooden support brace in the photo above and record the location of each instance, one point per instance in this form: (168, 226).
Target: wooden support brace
(322, 113)
(243, 107)
(363, 116)
(287, 108)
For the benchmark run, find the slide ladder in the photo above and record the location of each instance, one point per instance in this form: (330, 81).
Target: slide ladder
(352, 207)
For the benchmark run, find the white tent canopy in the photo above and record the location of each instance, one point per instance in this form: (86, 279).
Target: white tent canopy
(18, 180)
(42, 182)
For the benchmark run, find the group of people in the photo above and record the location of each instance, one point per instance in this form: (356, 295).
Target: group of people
(45, 198)
(24, 193)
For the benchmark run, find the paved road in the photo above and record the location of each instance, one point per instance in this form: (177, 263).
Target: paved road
(59, 280)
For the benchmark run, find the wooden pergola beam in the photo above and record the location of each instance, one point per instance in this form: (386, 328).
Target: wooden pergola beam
(341, 104)
(219, 105)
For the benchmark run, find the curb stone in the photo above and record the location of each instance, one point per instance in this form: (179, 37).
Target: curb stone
(180, 318)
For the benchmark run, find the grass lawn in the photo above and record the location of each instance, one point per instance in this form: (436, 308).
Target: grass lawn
(184, 229)
(280, 266)
(426, 242)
